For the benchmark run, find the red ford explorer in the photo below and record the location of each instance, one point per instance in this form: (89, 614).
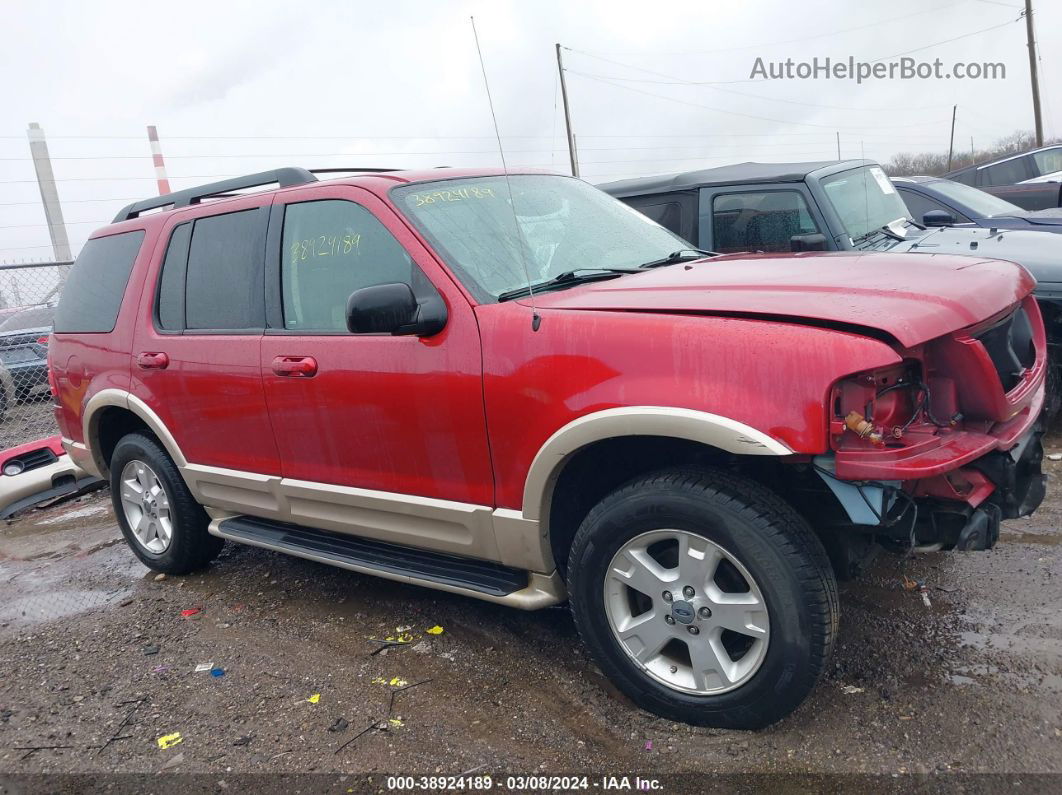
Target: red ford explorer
(524, 391)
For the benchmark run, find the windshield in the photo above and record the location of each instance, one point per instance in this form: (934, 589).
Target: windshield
(979, 203)
(561, 224)
(865, 200)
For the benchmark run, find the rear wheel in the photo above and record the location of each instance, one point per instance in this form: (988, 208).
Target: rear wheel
(161, 521)
(704, 597)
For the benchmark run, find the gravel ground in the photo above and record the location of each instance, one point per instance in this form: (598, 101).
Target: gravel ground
(98, 659)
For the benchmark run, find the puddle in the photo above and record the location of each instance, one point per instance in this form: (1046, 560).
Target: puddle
(40, 607)
(79, 513)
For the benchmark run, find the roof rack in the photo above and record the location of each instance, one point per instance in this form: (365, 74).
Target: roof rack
(354, 170)
(285, 177)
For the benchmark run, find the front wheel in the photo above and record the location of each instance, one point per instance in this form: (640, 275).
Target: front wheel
(160, 519)
(704, 597)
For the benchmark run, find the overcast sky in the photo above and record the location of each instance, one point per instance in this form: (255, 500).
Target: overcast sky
(658, 87)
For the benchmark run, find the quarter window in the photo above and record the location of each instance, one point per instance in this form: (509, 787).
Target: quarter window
(330, 249)
(758, 221)
(1049, 161)
(93, 292)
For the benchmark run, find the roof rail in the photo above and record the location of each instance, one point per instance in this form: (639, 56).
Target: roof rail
(354, 170)
(285, 177)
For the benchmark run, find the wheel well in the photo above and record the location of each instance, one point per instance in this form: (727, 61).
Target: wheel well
(600, 468)
(112, 425)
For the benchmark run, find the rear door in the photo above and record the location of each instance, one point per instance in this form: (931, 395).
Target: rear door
(197, 346)
(397, 414)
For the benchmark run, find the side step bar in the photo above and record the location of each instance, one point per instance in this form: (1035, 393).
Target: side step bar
(479, 578)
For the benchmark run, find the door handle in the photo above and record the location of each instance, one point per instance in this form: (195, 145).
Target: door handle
(295, 366)
(152, 361)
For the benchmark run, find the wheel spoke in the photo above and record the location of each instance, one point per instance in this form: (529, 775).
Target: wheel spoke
(143, 529)
(644, 636)
(742, 613)
(712, 666)
(698, 560)
(144, 478)
(638, 570)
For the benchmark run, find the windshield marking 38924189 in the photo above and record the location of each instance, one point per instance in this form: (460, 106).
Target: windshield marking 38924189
(556, 231)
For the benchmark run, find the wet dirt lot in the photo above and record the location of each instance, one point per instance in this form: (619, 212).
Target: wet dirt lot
(98, 663)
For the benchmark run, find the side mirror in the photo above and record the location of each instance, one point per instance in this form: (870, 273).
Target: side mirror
(812, 242)
(393, 309)
(938, 218)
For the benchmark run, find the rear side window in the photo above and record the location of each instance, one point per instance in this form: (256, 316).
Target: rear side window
(224, 283)
(93, 291)
(330, 249)
(1009, 172)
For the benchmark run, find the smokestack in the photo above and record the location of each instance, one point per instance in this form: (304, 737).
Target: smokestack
(160, 164)
(53, 212)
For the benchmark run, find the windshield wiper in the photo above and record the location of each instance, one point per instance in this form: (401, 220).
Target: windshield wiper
(682, 255)
(886, 230)
(576, 276)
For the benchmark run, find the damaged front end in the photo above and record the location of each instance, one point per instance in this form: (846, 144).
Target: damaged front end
(934, 453)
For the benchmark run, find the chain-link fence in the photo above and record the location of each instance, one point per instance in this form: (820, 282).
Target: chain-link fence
(28, 294)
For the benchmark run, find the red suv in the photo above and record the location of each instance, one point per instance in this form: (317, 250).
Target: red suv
(521, 390)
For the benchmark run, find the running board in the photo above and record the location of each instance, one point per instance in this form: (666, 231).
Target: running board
(479, 578)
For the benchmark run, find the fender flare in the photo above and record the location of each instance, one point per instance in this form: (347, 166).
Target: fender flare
(119, 398)
(676, 423)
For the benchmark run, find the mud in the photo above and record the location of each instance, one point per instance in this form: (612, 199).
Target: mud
(97, 657)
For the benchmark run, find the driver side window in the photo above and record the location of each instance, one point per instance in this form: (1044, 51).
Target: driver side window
(759, 221)
(330, 249)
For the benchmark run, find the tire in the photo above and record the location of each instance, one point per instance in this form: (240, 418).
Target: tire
(783, 644)
(174, 537)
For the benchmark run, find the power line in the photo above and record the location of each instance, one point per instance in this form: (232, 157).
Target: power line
(884, 22)
(945, 41)
(850, 130)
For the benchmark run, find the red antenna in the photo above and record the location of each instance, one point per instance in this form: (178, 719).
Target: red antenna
(160, 164)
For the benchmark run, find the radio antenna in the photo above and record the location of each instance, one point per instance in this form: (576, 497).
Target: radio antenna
(536, 321)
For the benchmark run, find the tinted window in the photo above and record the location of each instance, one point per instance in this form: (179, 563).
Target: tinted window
(965, 177)
(1009, 172)
(668, 214)
(330, 249)
(171, 282)
(224, 279)
(918, 205)
(1048, 161)
(758, 221)
(93, 291)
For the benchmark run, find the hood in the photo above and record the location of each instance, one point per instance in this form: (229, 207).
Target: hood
(911, 299)
(1052, 216)
(1039, 253)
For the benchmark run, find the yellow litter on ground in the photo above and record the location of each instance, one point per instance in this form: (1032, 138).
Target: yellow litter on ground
(436, 630)
(314, 698)
(169, 740)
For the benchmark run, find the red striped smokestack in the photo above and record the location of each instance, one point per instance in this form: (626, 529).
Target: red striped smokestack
(160, 164)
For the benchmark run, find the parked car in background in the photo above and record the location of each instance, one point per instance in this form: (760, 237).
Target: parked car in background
(517, 389)
(1032, 180)
(935, 201)
(24, 349)
(834, 206)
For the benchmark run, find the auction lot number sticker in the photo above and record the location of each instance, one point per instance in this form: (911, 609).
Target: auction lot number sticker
(522, 783)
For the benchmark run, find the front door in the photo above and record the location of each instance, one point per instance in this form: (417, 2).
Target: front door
(382, 425)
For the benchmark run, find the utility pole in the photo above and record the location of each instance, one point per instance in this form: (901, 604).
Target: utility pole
(951, 143)
(567, 115)
(1032, 73)
(838, 144)
(53, 212)
(160, 164)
